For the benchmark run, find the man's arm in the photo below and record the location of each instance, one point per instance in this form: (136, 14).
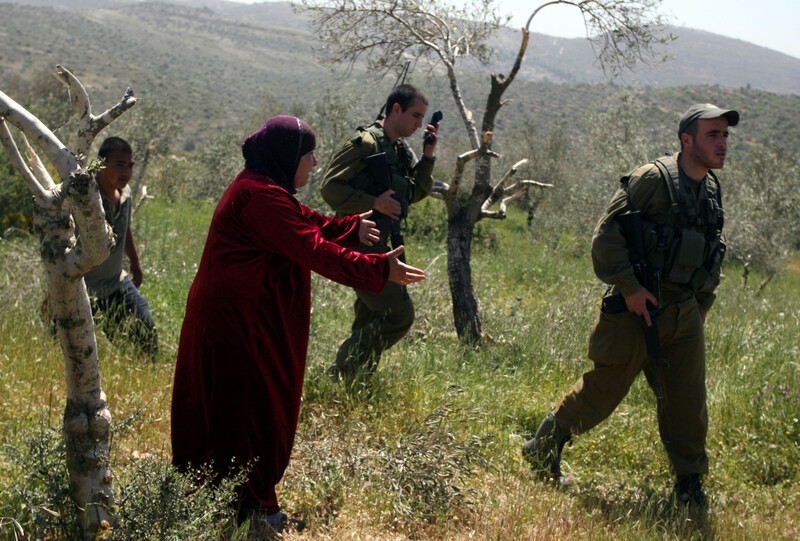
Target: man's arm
(133, 255)
(346, 165)
(610, 254)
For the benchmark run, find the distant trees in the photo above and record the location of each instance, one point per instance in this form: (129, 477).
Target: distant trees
(60, 210)
(331, 120)
(150, 130)
(437, 34)
(217, 160)
(761, 196)
(549, 158)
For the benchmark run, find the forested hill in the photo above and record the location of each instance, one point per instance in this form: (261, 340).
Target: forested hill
(699, 57)
(217, 63)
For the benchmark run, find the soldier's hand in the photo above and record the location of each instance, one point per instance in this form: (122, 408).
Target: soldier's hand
(429, 148)
(401, 273)
(388, 205)
(367, 232)
(637, 303)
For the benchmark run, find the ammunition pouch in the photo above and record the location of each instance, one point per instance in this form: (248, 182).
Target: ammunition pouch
(710, 270)
(684, 256)
(688, 249)
(688, 256)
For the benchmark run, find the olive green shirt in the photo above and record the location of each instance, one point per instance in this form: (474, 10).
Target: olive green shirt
(337, 188)
(647, 192)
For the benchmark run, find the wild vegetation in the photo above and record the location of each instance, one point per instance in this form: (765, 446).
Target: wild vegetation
(433, 451)
(214, 69)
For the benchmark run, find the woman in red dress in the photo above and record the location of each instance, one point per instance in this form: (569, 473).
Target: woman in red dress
(242, 351)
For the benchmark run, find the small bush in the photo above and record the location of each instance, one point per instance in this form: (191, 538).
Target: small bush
(154, 500)
(422, 476)
(157, 502)
(427, 221)
(37, 493)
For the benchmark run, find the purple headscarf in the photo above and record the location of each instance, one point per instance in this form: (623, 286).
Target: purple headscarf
(275, 149)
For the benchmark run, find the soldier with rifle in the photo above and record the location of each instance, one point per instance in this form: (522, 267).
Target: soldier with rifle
(659, 245)
(377, 171)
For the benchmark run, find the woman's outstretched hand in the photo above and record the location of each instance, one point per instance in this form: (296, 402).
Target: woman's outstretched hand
(401, 273)
(367, 232)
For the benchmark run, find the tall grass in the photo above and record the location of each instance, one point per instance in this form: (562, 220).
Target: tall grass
(432, 451)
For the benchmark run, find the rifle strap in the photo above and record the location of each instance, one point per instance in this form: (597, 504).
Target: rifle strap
(670, 172)
(671, 175)
(383, 143)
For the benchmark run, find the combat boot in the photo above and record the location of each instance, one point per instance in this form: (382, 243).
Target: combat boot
(358, 356)
(688, 490)
(543, 452)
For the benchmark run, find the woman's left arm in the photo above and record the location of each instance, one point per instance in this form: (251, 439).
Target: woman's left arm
(277, 222)
(342, 231)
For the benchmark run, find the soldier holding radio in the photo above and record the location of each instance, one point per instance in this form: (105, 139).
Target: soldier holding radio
(376, 170)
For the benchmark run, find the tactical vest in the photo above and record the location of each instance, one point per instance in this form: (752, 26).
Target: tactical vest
(400, 161)
(686, 244)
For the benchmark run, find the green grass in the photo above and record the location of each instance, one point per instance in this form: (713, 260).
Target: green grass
(433, 451)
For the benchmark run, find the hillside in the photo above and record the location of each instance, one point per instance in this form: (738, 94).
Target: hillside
(698, 57)
(217, 62)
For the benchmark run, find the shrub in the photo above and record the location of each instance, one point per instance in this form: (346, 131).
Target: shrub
(154, 500)
(419, 477)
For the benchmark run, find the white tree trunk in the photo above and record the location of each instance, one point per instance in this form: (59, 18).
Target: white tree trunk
(58, 209)
(86, 417)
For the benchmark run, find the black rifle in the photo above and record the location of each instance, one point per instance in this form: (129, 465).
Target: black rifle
(381, 174)
(631, 223)
(401, 79)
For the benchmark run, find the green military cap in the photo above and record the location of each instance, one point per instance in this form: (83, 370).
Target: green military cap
(706, 110)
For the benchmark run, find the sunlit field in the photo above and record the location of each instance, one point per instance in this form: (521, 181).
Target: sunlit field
(431, 450)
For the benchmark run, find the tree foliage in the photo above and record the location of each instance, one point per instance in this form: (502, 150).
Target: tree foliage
(762, 209)
(384, 32)
(380, 32)
(622, 33)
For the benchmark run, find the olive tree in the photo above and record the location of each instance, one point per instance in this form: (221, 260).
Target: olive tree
(436, 34)
(330, 116)
(762, 218)
(61, 209)
(150, 130)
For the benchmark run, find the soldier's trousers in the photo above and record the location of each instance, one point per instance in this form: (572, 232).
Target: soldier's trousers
(618, 349)
(381, 320)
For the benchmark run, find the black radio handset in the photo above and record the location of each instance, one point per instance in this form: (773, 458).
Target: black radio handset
(437, 116)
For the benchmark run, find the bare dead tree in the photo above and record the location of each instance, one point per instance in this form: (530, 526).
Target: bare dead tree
(60, 209)
(435, 33)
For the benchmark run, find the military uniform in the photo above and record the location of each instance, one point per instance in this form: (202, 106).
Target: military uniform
(683, 239)
(380, 319)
